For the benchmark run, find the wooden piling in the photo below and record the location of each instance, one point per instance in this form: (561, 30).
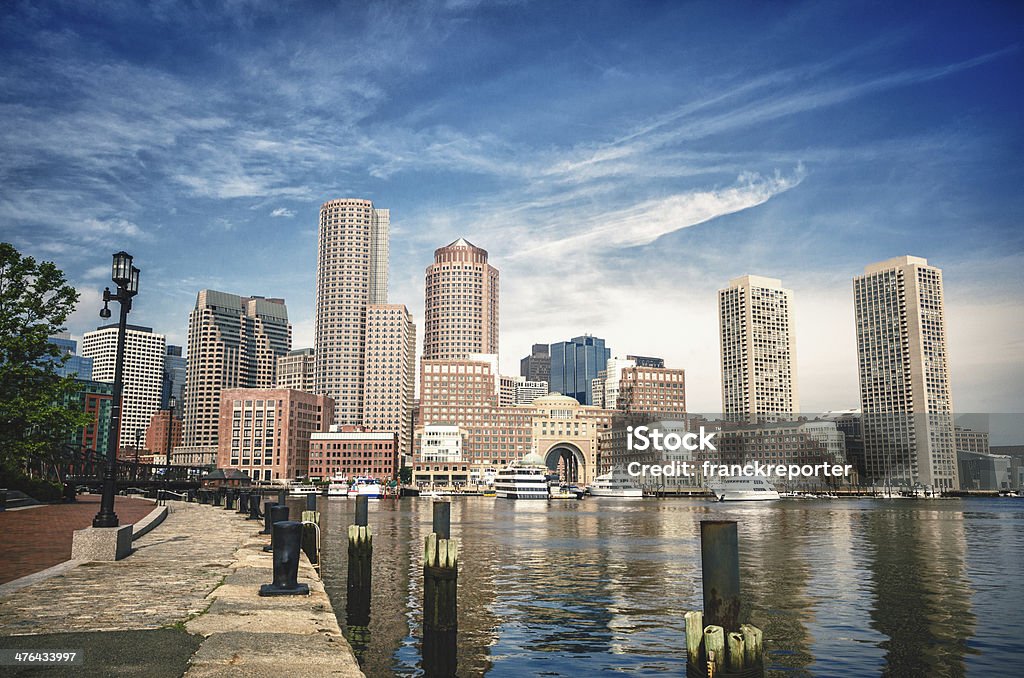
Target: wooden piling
(714, 648)
(694, 636)
(357, 602)
(309, 540)
(735, 660)
(362, 510)
(720, 573)
(753, 649)
(442, 519)
(440, 605)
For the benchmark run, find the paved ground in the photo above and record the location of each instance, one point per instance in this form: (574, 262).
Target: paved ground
(37, 538)
(199, 570)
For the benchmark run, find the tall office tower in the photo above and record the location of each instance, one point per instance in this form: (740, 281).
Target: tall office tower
(296, 370)
(75, 365)
(143, 373)
(574, 366)
(175, 371)
(606, 384)
(233, 342)
(758, 343)
(390, 376)
(646, 361)
(647, 394)
(528, 391)
(461, 310)
(537, 365)
(351, 273)
(907, 410)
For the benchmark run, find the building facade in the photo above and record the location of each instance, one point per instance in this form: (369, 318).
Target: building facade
(264, 432)
(461, 305)
(574, 366)
(175, 373)
(652, 393)
(296, 371)
(142, 376)
(565, 435)
(529, 391)
(906, 404)
(351, 274)
(537, 365)
(390, 377)
(74, 364)
(156, 433)
(606, 385)
(233, 342)
(758, 348)
(353, 451)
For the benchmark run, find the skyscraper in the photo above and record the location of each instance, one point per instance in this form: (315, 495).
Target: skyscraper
(758, 350)
(905, 398)
(461, 309)
(297, 371)
(233, 342)
(390, 377)
(351, 274)
(175, 370)
(143, 373)
(537, 365)
(574, 366)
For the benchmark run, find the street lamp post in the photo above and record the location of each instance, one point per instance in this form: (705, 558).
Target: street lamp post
(171, 403)
(126, 277)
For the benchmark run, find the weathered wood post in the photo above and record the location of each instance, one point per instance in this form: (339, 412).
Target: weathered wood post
(716, 643)
(309, 537)
(440, 599)
(310, 502)
(360, 556)
(282, 497)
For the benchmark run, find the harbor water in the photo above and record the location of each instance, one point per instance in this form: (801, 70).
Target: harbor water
(845, 587)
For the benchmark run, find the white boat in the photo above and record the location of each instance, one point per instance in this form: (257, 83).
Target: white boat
(523, 479)
(365, 486)
(615, 483)
(743, 489)
(338, 486)
(303, 489)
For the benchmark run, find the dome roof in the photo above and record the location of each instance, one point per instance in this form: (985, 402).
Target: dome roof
(532, 459)
(557, 400)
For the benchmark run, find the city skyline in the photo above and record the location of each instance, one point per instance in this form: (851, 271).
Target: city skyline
(605, 216)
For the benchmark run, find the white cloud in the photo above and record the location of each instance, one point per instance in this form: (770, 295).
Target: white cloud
(283, 212)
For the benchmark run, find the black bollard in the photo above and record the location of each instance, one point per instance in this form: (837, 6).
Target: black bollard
(282, 497)
(254, 507)
(362, 510)
(218, 498)
(287, 535)
(311, 502)
(243, 502)
(720, 571)
(3, 500)
(276, 513)
(267, 522)
(442, 519)
(204, 496)
(229, 501)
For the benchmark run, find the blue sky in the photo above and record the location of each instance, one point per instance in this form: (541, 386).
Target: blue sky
(620, 161)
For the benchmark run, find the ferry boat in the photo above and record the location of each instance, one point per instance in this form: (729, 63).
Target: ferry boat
(523, 479)
(615, 483)
(365, 486)
(743, 489)
(337, 486)
(301, 490)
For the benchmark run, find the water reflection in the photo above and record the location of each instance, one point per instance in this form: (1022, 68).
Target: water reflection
(839, 587)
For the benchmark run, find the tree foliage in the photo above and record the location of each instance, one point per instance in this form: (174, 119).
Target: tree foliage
(37, 412)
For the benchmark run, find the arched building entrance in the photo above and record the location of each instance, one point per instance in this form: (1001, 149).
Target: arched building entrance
(568, 461)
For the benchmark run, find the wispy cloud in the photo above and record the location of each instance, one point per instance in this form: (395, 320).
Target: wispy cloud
(283, 212)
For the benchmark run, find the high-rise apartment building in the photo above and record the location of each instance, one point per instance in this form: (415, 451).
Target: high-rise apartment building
(265, 432)
(351, 274)
(758, 343)
(537, 365)
(390, 374)
(907, 410)
(175, 371)
(461, 306)
(142, 376)
(574, 366)
(233, 342)
(296, 370)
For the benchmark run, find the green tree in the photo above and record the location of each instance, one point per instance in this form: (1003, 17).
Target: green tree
(36, 418)
(405, 475)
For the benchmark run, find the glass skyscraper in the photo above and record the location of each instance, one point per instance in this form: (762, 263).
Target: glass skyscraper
(575, 364)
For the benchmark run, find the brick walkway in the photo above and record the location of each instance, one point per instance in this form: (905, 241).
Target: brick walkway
(37, 538)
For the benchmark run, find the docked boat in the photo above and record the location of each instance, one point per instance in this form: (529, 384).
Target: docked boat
(365, 486)
(743, 489)
(615, 483)
(525, 478)
(338, 486)
(556, 491)
(303, 489)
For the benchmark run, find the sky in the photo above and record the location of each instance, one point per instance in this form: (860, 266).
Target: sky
(620, 161)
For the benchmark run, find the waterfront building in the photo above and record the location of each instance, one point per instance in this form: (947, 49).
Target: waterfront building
(390, 376)
(904, 374)
(614, 452)
(195, 456)
(143, 372)
(353, 451)
(605, 386)
(758, 348)
(296, 371)
(265, 432)
(537, 365)
(156, 432)
(351, 274)
(985, 471)
(652, 393)
(849, 422)
(439, 459)
(969, 440)
(565, 435)
(175, 373)
(75, 366)
(233, 342)
(94, 398)
(575, 364)
(461, 305)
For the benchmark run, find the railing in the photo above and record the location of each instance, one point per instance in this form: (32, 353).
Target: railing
(162, 494)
